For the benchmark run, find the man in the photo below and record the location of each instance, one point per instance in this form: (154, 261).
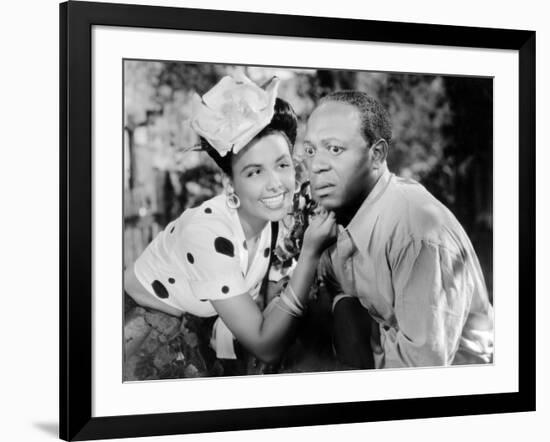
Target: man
(406, 283)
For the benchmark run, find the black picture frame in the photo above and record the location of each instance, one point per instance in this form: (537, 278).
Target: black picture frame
(76, 240)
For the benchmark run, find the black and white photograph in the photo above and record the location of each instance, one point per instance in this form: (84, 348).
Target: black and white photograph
(275, 221)
(282, 220)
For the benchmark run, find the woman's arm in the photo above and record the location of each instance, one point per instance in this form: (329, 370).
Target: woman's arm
(266, 335)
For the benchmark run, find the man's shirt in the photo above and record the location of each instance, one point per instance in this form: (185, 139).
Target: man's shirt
(411, 265)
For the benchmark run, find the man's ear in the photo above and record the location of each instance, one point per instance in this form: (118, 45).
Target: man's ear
(380, 151)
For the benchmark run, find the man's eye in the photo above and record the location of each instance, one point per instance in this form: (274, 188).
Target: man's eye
(309, 150)
(284, 165)
(335, 150)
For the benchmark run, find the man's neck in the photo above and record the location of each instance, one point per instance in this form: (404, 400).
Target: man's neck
(345, 214)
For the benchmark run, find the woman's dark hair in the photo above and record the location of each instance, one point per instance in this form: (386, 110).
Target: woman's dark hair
(284, 121)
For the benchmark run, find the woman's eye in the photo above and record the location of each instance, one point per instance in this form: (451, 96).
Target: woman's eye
(284, 165)
(335, 150)
(253, 172)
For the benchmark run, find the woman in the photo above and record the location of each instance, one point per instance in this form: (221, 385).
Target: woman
(213, 258)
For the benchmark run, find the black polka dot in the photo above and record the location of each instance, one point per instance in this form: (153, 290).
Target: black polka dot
(159, 289)
(224, 246)
(171, 280)
(208, 210)
(244, 245)
(190, 258)
(172, 229)
(266, 252)
(225, 289)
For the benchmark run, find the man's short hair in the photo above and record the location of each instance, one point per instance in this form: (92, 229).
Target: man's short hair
(375, 119)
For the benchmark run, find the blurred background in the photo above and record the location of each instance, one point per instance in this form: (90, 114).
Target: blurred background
(442, 137)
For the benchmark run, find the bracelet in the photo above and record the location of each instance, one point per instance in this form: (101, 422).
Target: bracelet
(295, 308)
(293, 294)
(291, 306)
(281, 307)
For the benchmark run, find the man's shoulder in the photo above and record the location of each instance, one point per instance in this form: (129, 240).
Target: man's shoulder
(409, 192)
(415, 212)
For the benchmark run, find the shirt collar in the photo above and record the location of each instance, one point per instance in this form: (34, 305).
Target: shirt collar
(359, 227)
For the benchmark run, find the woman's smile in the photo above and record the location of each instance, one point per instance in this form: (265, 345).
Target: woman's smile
(275, 202)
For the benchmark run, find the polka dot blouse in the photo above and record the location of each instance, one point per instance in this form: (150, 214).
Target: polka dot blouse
(202, 256)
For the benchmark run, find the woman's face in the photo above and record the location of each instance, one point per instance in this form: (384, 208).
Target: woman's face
(263, 178)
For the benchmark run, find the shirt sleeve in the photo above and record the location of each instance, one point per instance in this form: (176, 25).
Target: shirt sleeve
(213, 262)
(433, 291)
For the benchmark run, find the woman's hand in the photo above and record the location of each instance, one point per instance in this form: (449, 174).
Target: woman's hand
(267, 334)
(321, 232)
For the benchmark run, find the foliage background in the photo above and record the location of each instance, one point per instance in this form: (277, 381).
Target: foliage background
(442, 137)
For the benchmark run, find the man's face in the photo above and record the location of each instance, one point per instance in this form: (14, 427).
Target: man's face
(337, 156)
